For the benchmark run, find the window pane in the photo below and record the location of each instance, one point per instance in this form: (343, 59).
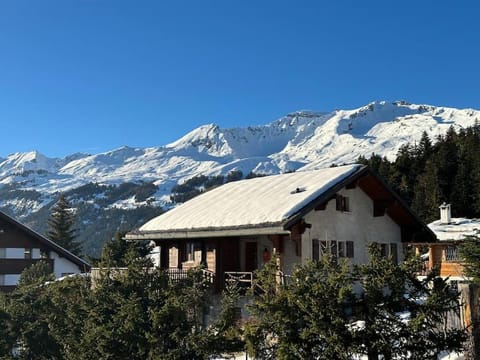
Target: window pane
(333, 248)
(383, 250)
(2, 253)
(341, 249)
(324, 247)
(28, 253)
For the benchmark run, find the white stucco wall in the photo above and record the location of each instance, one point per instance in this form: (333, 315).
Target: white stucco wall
(358, 225)
(289, 258)
(154, 255)
(62, 265)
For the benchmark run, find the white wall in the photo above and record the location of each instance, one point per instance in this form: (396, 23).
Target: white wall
(289, 256)
(358, 225)
(62, 265)
(154, 255)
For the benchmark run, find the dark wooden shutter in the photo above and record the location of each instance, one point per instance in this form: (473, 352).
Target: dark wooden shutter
(350, 251)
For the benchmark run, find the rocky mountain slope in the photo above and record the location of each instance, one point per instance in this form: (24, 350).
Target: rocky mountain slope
(120, 189)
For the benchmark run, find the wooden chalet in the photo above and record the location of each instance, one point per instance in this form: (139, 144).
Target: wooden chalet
(443, 255)
(21, 247)
(234, 229)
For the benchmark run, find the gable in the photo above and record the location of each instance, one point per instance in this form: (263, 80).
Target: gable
(16, 235)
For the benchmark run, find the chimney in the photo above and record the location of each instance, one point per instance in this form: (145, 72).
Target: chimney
(445, 214)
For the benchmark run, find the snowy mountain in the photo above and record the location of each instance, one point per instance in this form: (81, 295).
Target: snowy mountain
(128, 178)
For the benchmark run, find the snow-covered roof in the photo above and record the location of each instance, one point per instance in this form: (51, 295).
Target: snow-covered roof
(254, 203)
(457, 229)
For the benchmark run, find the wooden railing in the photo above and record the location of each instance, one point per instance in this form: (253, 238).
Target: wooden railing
(180, 274)
(242, 279)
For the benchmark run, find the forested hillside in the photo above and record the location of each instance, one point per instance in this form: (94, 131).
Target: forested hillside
(427, 173)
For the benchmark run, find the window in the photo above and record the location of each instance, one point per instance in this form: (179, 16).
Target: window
(342, 249)
(28, 253)
(322, 247)
(3, 253)
(383, 250)
(388, 250)
(451, 253)
(2, 279)
(43, 254)
(345, 249)
(191, 249)
(342, 203)
(338, 249)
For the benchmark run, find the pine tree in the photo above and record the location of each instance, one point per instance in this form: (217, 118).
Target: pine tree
(61, 226)
(305, 318)
(390, 291)
(29, 308)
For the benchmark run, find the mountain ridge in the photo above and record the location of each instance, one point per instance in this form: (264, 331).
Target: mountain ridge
(301, 140)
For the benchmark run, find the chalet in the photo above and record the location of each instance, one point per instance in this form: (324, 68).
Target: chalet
(443, 255)
(21, 247)
(233, 229)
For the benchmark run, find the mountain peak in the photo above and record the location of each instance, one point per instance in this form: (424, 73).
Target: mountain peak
(299, 140)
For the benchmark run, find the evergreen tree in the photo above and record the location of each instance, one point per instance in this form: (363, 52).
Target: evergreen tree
(7, 339)
(117, 251)
(28, 310)
(470, 253)
(61, 226)
(427, 195)
(305, 318)
(404, 317)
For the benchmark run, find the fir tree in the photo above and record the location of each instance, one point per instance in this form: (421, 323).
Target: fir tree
(305, 318)
(390, 290)
(61, 226)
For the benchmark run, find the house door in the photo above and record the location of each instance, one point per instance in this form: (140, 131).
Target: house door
(251, 256)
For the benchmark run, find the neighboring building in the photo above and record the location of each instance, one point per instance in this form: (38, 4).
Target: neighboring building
(235, 228)
(21, 247)
(450, 232)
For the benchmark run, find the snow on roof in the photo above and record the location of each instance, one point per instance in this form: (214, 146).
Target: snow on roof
(458, 229)
(255, 202)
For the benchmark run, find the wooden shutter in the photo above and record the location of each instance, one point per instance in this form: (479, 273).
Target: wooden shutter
(350, 253)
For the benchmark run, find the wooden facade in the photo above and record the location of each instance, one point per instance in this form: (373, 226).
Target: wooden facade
(443, 256)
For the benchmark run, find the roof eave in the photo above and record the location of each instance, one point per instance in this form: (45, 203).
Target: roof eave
(207, 233)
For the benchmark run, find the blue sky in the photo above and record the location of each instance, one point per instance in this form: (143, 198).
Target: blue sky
(94, 75)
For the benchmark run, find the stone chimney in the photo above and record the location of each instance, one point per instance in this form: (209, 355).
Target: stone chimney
(445, 214)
